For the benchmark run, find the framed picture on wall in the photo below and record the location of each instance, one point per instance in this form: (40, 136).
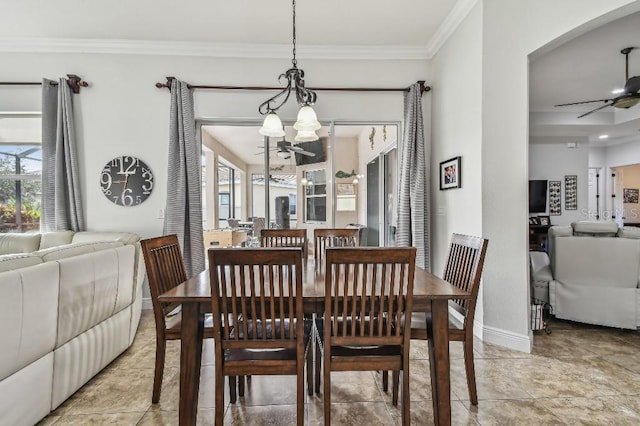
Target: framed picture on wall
(555, 198)
(544, 220)
(451, 173)
(571, 192)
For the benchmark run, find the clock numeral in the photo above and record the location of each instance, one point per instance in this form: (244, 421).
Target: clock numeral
(131, 168)
(127, 198)
(106, 191)
(138, 199)
(105, 180)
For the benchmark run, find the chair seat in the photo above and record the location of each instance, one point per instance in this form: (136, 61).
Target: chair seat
(419, 319)
(174, 324)
(269, 329)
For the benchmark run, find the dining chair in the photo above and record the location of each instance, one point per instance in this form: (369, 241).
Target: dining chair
(259, 327)
(233, 223)
(326, 238)
(463, 269)
(368, 294)
(285, 238)
(165, 270)
(258, 226)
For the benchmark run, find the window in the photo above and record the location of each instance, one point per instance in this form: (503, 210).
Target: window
(316, 196)
(20, 173)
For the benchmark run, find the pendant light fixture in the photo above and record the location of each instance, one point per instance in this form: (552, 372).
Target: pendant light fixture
(307, 122)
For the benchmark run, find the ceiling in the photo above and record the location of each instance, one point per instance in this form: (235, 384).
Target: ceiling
(408, 23)
(585, 68)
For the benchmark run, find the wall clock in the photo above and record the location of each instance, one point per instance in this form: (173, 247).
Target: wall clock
(126, 181)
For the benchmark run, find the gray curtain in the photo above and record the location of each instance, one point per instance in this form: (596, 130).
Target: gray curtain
(61, 198)
(413, 205)
(184, 187)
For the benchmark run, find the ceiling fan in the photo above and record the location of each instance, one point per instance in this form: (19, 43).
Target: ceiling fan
(629, 97)
(284, 149)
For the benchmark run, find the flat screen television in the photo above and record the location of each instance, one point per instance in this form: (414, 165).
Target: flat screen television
(317, 147)
(537, 196)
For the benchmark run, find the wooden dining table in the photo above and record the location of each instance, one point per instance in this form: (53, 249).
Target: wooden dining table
(430, 294)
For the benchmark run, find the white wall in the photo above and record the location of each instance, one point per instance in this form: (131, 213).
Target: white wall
(122, 112)
(511, 31)
(457, 131)
(480, 111)
(555, 161)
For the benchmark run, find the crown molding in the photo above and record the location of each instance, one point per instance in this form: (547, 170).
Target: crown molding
(218, 50)
(460, 11)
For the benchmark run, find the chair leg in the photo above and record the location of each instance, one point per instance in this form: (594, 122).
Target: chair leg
(310, 369)
(327, 391)
(161, 346)
(232, 389)
(470, 370)
(396, 385)
(300, 392)
(219, 388)
(318, 367)
(385, 380)
(406, 399)
(241, 386)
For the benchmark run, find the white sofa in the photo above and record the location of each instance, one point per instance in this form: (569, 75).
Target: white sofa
(591, 274)
(70, 304)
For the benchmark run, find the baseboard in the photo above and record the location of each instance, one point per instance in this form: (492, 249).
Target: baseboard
(508, 339)
(146, 304)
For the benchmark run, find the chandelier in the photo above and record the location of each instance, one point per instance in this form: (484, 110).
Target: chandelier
(307, 122)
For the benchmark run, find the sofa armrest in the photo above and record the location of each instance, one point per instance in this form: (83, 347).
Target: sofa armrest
(540, 266)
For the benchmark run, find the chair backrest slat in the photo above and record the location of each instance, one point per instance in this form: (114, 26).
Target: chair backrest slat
(463, 269)
(368, 293)
(165, 270)
(285, 238)
(327, 238)
(269, 282)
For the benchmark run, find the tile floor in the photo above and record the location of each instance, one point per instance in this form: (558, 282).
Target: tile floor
(577, 375)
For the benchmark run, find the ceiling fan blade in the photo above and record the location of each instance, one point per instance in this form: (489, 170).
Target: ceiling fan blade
(584, 102)
(298, 150)
(594, 110)
(632, 85)
(301, 151)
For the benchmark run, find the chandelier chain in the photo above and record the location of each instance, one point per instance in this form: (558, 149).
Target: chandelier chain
(294, 61)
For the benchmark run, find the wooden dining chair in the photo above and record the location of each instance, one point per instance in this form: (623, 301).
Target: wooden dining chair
(233, 223)
(368, 294)
(257, 305)
(463, 269)
(326, 238)
(165, 270)
(285, 238)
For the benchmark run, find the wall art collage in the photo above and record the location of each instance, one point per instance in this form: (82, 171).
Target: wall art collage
(555, 198)
(571, 192)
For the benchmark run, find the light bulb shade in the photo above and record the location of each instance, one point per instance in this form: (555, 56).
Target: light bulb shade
(307, 120)
(272, 126)
(306, 136)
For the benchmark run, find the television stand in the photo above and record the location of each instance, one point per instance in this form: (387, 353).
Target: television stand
(538, 237)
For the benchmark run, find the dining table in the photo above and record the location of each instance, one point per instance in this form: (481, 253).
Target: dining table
(430, 294)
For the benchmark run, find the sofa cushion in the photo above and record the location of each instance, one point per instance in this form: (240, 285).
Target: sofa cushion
(598, 228)
(91, 237)
(19, 243)
(70, 250)
(9, 262)
(55, 238)
(629, 232)
(93, 287)
(28, 315)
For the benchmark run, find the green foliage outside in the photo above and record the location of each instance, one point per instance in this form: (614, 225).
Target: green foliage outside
(31, 192)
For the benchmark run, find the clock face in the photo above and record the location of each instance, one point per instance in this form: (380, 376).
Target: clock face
(126, 181)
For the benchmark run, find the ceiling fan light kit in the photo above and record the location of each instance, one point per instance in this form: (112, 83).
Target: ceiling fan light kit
(307, 122)
(629, 96)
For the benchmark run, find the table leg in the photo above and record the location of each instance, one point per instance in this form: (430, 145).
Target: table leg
(190, 358)
(438, 332)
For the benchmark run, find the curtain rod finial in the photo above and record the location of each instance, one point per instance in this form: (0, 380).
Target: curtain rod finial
(423, 87)
(75, 83)
(166, 85)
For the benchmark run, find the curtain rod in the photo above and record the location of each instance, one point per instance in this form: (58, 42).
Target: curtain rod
(74, 82)
(423, 87)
